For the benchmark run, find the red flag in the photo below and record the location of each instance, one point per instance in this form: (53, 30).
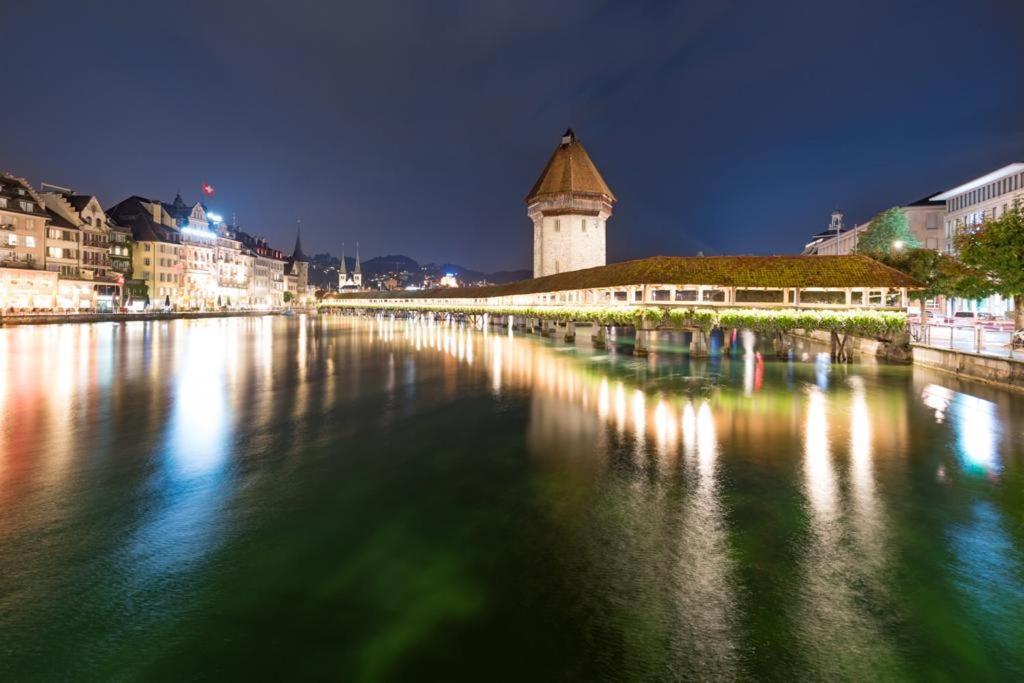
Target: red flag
(208, 189)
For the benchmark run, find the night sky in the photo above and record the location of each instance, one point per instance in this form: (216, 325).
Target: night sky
(418, 128)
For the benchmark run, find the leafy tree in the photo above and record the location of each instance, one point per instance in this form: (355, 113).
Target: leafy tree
(942, 275)
(288, 296)
(888, 233)
(996, 248)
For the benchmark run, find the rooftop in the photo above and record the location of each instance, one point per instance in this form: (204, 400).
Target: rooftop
(570, 171)
(722, 271)
(998, 174)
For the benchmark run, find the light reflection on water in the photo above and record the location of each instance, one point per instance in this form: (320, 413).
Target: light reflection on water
(699, 509)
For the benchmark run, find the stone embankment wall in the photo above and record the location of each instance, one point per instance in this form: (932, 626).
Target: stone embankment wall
(990, 369)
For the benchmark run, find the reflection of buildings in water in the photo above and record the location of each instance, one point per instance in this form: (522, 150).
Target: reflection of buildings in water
(772, 414)
(704, 598)
(181, 522)
(840, 638)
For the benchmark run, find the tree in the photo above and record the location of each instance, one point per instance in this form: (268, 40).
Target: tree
(288, 296)
(942, 275)
(888, 233)
(996, 248)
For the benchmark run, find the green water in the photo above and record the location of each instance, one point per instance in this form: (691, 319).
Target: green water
(369, 500)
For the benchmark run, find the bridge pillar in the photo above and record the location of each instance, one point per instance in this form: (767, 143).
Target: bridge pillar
(547, 328)
(570, 331)
(643, 340)
(698, 344)
(599, 338)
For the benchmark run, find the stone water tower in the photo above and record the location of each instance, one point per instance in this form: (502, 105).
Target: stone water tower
(569, 206)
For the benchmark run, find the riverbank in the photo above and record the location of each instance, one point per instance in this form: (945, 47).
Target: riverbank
(1004, 372)
(70, 318)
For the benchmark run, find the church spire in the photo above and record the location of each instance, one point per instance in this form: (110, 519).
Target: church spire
(297, 254)
(358, 268)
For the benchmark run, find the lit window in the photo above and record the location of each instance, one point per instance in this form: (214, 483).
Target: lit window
(12, 240)
(30, 241)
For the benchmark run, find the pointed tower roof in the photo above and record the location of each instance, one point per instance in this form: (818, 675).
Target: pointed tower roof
(341, 268)
(358, 268)
(297, 254)
(570, 171)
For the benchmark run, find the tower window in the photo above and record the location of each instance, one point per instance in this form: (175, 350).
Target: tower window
(583, 224)
(558, 225)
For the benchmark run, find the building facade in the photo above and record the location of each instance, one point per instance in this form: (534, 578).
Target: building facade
(924, 218)
(983, 198)
(156, 251)
(297, 271)
(972, 203)
(569, 206)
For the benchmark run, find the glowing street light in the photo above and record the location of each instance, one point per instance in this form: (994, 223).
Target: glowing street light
(897, 245)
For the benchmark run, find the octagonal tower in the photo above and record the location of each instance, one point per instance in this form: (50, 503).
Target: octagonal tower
(569, 206)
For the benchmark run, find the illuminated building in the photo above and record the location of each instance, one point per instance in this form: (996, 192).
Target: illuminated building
(267, 284)
(984, 198)
(156, 252)
(348, 282)
(23, 219)
(569, 206)
(89, 265)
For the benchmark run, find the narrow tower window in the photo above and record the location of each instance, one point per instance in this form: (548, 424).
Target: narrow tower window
(583, 224)
(558, 225)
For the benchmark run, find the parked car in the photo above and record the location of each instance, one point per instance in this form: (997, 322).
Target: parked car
(965, 318)
(930, 317)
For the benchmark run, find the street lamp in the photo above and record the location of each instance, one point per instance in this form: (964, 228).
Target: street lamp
(897, 245)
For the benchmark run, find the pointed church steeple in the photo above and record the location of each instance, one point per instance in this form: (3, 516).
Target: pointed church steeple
(358, 267)
(297, 254)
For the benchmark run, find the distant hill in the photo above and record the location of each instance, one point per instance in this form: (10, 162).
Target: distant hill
(323, 270)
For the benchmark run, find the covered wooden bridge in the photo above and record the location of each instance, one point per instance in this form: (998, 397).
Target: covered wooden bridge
(842, 294)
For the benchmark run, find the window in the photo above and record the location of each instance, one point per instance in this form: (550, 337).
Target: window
(583, 225)
(714, 295)
(686, 295)
(12, 240)
(30, 241)
(662, 295)
(558, 228)
(810, 296)
(146, 246)
(55, 252)
(759, 295)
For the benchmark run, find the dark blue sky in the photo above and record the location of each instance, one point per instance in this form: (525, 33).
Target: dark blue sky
(418, 128)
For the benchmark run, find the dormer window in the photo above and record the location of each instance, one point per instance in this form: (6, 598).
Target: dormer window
(26, 206)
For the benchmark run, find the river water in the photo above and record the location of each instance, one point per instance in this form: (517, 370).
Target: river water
(361, 499)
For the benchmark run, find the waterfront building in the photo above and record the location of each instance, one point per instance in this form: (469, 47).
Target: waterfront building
(924, 218)
(233, 266)
(84, 218)
(23, 219)
(120, 250)
(569, 206)
(971, 203)
(62, 244)
(980, 199)
(297, 270)
(199, 278)
(267, 285)
(156, 250)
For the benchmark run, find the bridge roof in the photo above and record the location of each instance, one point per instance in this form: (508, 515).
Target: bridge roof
(570, 171)
(722, 271)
